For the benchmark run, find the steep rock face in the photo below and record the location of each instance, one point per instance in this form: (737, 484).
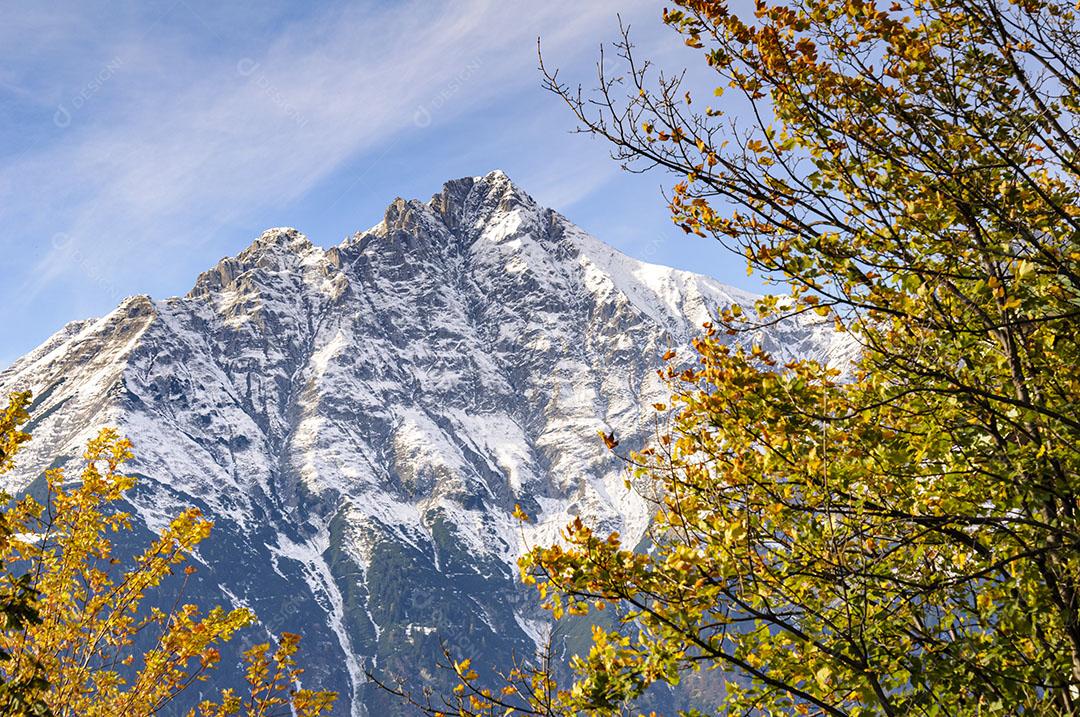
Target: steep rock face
(361, 420)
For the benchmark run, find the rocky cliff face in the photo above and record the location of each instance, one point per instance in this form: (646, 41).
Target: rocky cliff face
(360, 421)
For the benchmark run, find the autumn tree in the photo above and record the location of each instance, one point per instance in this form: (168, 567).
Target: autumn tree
(899, 536)
(79, 648)
(17, 598)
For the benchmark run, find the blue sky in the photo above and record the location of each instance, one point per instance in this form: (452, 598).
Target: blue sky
(141, 142)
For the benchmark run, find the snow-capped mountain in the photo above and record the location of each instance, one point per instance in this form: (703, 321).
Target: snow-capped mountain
(361, 420)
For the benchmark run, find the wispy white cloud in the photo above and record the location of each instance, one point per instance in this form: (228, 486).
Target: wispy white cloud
(234, 132)
(175, 124)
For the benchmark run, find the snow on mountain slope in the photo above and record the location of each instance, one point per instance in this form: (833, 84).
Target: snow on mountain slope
(360, 421)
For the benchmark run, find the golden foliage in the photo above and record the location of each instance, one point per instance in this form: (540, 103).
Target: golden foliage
(903, 540)
(91, 613)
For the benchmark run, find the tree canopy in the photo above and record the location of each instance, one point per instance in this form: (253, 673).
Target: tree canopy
(78, 623)
(895, 537)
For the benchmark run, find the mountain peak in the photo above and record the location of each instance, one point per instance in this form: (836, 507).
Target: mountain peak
(497, 185)
(494, 191)
(349, 416)
(287, 238)
(274, 247)
(458, 206)
(406, 215)
(449, 203)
